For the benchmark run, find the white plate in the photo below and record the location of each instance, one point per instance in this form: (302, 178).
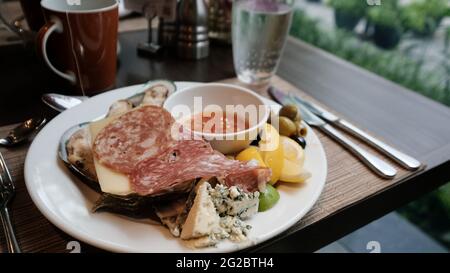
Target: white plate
(67, 202)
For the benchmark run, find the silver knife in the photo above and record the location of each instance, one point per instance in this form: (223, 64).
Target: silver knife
(404, 160)
(379, 166)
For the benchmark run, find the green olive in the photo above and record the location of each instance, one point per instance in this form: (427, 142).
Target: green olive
(301, 129)
(286, 126)
(268, 198)
(290, 111)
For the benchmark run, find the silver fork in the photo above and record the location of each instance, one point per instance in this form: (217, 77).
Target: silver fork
(7, 191)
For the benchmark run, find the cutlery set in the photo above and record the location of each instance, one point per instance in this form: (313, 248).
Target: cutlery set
(20, 134)
(312, 114)
(325, 121)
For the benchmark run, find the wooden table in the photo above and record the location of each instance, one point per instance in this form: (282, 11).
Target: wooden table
(411, 122)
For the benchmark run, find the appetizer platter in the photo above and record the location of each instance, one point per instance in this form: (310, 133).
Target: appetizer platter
(126, 172)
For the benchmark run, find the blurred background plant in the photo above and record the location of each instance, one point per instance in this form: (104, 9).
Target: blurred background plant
(446, 64)
(386, 24)
(423, 17)
(432, 212)
(393, 64)
(347, 13)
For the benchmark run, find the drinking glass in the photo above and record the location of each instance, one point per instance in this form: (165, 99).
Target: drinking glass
(259, 32)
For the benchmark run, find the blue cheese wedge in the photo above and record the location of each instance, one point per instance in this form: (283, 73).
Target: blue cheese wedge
(203, 219)
(217, 213)
(234, 201)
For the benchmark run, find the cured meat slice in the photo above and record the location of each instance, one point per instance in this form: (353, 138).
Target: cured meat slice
(139, 144)
(133, 137)
(249, 179)
(190, 159)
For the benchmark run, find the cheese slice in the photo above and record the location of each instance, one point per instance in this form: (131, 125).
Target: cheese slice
(110, 181)
(202, 219)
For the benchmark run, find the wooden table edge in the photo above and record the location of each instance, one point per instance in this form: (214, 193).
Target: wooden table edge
(354, 216)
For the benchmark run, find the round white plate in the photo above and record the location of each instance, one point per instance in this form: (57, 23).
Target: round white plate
(67, 202)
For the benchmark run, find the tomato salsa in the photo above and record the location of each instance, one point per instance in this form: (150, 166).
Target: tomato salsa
(218, 122)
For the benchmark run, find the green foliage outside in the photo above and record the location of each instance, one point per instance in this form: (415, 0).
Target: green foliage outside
(354, 7)
(421, 17)
(393, 65)
(424, 16)
(432, 212)
(385, 15)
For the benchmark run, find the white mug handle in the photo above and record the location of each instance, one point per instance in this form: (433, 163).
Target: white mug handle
(54, 25)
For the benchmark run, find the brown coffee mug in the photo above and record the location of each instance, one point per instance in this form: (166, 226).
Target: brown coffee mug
(79, 42)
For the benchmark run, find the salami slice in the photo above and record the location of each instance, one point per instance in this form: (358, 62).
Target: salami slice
(133, 137)
(190, 159)
(139, 144)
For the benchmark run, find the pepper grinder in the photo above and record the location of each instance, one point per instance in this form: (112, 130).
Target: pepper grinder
(193, 42)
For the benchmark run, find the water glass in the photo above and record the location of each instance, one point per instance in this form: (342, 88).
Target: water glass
(259, 32)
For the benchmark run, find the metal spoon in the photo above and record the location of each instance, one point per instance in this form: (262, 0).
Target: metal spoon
(60, 102)
(23, 131)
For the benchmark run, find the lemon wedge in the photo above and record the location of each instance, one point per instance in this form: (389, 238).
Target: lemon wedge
(272, 151)
(251, 153)
(292, 151)
(294, 158)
